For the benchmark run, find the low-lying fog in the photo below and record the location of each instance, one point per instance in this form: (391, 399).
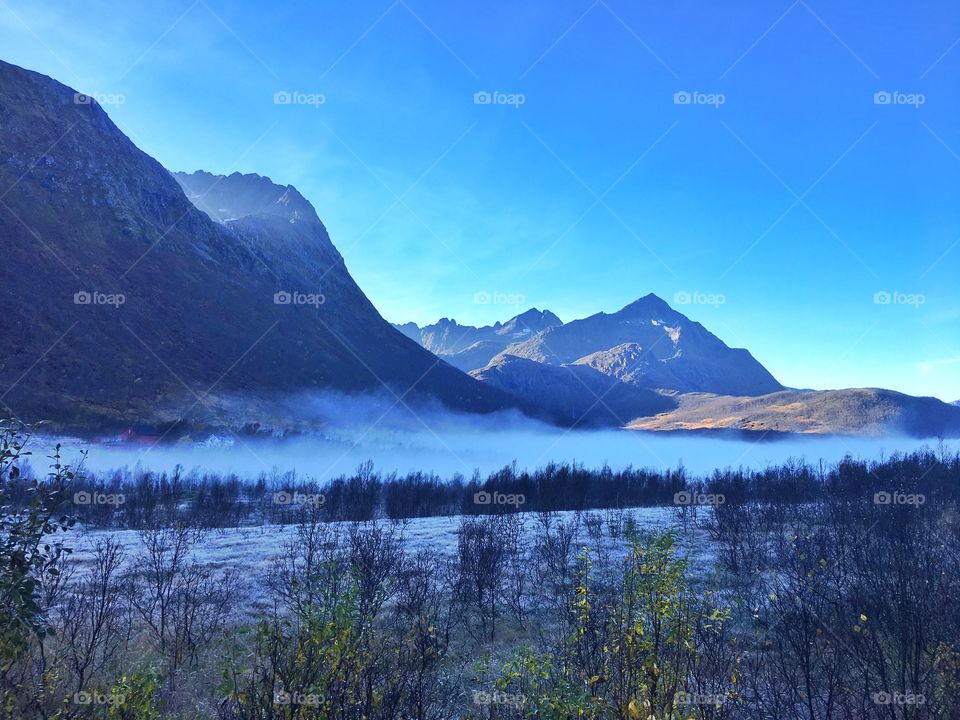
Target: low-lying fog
(349, 434)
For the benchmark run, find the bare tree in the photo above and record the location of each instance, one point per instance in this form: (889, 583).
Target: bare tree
(92, 623)
(183, 602)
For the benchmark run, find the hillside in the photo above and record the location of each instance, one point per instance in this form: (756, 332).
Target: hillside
(572, 394)
(122, 302)
(860, 411)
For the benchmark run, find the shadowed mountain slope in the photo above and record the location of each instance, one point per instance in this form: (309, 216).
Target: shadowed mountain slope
(122, 302)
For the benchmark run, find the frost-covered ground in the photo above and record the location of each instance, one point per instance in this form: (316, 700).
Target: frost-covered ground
(252, 550)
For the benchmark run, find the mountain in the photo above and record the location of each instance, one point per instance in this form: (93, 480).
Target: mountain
(861, 411)
(468, 347)
(236, 196)
(648, 344)
(572, 394)
(122, 302)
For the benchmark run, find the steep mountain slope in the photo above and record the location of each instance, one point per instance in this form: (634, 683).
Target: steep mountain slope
(468, 347)
(573, 394)
(649, 344)
(854, 411)
(122, 302)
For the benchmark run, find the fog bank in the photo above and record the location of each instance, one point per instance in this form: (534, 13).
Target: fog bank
(449, 451)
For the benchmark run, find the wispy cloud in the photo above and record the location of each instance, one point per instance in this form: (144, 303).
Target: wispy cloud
(931, 365)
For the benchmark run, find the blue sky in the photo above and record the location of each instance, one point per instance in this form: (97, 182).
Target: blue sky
(782, 200)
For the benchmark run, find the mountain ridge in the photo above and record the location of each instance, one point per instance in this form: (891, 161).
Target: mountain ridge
(471, 347)
(655, 347)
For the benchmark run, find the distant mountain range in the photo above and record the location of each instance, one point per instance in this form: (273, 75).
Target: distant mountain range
(468, 347)
(122, 302)
(649, 367)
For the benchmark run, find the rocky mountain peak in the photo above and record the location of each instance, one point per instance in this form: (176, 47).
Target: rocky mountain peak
(235, 196)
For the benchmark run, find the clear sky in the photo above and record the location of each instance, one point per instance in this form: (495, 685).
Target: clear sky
(786, 188)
